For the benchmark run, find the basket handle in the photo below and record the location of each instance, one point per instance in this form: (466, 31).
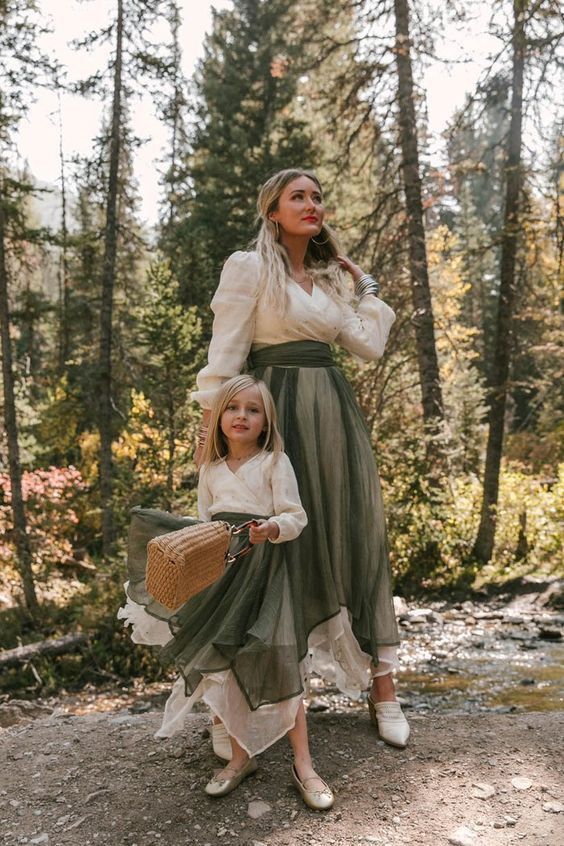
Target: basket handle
(236, 530)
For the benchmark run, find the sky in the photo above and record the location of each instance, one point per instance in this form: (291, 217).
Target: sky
(38, 141)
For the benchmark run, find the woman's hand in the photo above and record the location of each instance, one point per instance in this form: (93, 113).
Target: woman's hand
(264, 530)
(355, 271)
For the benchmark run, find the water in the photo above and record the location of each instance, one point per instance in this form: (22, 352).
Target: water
(474, 658)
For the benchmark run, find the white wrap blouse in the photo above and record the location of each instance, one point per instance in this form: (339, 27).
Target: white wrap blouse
(265, 484)
(242, 320)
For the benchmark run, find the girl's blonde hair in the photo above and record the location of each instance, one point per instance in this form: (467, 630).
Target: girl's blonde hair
(216, 446)
(320, 257)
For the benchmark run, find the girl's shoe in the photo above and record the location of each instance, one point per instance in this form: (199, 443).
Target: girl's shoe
(221, 742)
(319, 800)
(388, 718)
(222, 786)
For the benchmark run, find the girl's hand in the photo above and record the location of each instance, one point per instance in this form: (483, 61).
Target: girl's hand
(264, 530)
(355, 271)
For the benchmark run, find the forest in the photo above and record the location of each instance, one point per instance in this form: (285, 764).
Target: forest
(105, 322)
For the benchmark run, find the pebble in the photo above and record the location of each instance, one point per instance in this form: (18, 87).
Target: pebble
(462, 837)
(483, 790)
(43, 838)
(258, 809)
(521, 783)
(553, 807)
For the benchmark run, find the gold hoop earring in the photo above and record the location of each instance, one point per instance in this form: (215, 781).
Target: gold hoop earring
(320, 243)
(275, 222)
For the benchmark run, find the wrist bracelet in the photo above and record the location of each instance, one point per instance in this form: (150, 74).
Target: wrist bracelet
(366, 285)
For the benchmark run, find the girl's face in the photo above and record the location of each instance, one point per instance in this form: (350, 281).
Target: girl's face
(244, 418)
(300, 208)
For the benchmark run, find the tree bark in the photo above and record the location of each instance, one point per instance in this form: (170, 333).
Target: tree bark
(483, 547)
(105, 413)
(21, 538)
(53, 646)
(428, 365)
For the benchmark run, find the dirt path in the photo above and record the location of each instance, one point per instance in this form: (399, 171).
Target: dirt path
(102, 779)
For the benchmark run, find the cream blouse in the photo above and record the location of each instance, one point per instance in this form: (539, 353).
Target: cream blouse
(265, 484)
(242, 320)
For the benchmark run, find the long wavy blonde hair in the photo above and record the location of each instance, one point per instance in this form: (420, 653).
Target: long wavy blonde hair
(216, 446)
(320, 258)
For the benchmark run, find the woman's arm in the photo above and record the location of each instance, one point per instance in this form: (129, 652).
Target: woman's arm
(365, 329)
(234, 306)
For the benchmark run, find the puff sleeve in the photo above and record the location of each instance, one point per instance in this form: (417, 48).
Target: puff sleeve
(288, 511)
(234, 308)
(365, 329)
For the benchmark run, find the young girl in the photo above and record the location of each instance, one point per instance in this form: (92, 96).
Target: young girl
(235, 643)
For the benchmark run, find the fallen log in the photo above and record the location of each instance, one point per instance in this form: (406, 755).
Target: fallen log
(51, 646)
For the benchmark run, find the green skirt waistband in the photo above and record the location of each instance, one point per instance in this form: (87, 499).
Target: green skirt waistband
(292, 354)
(236, 517)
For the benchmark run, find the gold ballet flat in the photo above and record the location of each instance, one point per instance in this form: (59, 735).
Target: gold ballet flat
(221, 787)
(319, 800)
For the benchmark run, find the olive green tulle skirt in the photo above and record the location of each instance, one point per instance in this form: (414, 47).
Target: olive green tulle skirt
(256, 620)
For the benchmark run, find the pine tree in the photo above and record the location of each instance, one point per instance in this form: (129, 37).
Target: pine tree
(244, 132)
(23, 67)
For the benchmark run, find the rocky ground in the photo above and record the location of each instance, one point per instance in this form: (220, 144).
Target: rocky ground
(483, 690)
(479, 780)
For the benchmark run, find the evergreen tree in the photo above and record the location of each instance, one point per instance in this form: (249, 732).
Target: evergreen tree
(244, 132)
(22, 68)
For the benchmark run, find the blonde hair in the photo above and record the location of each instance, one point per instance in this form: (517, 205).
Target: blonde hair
(320, 258)
(216, 446)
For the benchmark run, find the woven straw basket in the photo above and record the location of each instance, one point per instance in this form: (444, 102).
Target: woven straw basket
(181, 564)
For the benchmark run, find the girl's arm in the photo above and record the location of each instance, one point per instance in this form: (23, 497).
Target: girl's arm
(233, 305)
(289, 514)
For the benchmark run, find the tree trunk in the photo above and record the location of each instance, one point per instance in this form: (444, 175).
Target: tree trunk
(21, 538)
(433, 415)
(105, 413)
(484, 544)
(64, 340)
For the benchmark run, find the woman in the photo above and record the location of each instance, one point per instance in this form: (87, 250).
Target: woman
(276, 311)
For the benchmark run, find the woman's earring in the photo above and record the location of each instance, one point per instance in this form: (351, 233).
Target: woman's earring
(320, 243)
(275, 222)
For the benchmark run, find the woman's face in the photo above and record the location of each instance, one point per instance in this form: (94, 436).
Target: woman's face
(300, 209)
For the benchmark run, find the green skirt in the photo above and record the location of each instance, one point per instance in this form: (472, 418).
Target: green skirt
(257, 619)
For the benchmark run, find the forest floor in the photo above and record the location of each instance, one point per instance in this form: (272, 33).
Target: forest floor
(86, 770)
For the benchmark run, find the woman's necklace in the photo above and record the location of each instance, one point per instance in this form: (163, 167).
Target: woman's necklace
(306, 281)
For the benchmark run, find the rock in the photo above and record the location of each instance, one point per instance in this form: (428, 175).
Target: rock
(521, 783)
(526, 682)
(400, 607)
(546, 633)
(510, 821)
(258, 809)
(553, 807)
(462, 837)
(20, 711)
(317, 705)
(483, 790)
(42, 838)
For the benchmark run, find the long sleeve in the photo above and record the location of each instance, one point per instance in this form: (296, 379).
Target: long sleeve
(365, 330)
(205, 499)
(234, 307)
(288, 511)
